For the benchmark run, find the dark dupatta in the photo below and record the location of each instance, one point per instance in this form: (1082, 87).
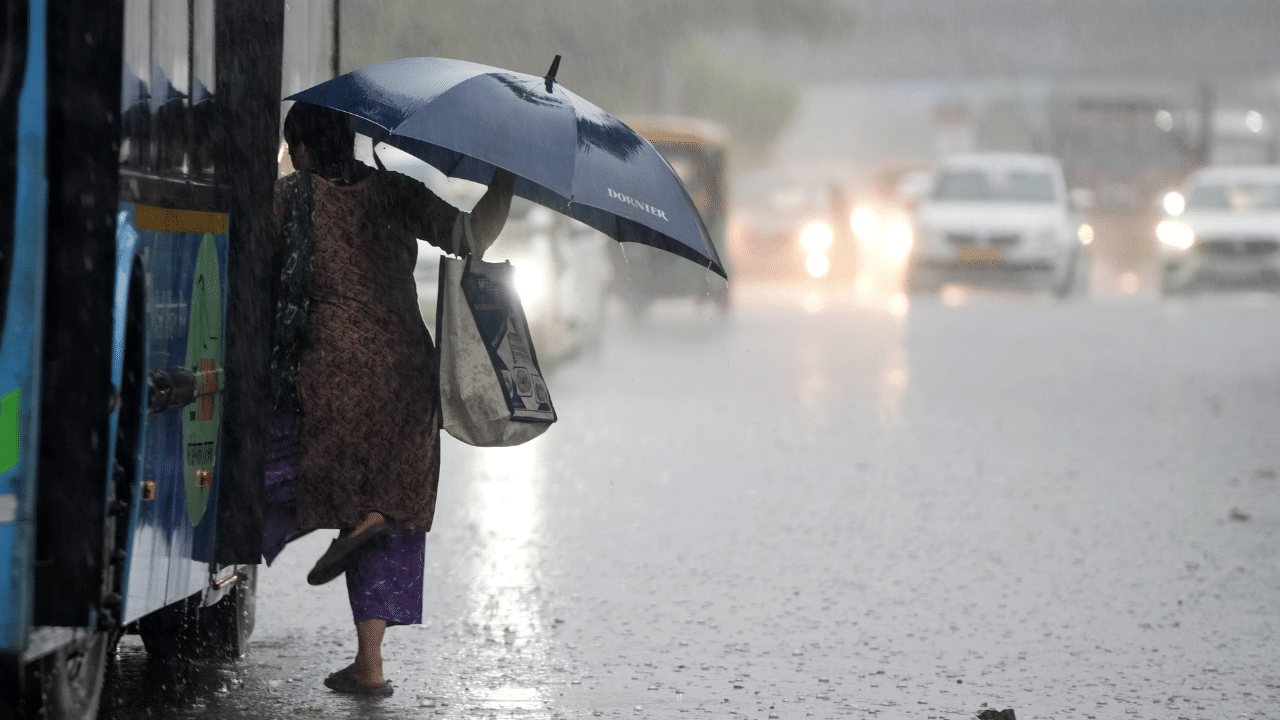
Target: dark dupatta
(288, 335)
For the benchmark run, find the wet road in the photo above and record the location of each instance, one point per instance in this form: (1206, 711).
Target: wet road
(834, 507)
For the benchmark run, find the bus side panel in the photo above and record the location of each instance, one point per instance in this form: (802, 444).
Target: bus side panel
(174, 531)
(83, 55)
(21, 340)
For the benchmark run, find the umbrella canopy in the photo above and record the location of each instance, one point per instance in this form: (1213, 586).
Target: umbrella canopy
(465, 119)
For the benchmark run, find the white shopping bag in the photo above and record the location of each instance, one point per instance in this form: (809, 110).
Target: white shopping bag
(491, 391)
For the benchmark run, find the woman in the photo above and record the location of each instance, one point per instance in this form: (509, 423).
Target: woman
(354, 374)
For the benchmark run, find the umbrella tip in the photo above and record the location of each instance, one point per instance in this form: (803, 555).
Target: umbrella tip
(551, 74)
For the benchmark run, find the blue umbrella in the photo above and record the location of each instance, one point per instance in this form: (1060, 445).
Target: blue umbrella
(465, 119)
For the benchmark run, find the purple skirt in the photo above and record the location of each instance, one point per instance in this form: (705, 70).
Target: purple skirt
(386, 581)
(383, 583)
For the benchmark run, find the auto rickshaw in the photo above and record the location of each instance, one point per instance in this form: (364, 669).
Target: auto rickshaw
(697, 150)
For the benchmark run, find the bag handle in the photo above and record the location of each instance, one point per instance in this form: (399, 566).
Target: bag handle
(373, 148)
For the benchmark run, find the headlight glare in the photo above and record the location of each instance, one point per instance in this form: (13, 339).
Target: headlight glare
(1175, 235)
(532, 282)
(864, 223)
(816, 237)
(817, 264)
(897, 239)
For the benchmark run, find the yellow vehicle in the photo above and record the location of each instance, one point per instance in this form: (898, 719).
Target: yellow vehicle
(697, 150)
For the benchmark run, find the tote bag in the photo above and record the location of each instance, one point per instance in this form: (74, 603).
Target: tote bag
(492, 393)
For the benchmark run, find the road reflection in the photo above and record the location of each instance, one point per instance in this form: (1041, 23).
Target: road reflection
(504, 603)
(895, 374)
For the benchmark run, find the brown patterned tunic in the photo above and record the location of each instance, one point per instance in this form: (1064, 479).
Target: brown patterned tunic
(366, 377)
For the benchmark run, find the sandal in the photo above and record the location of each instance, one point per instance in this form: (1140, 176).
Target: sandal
(341, 552)
(345, 681)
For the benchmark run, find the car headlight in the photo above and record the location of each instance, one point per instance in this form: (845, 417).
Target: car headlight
(817, 264)
(896, 239)
(816, 237)
(1175, 235)
(864, 223)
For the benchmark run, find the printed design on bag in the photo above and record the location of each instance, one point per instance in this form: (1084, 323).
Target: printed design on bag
(524, 384)
(503, 329)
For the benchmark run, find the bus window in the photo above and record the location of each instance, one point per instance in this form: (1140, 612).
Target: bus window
(170, 68)
(167, 103)
(309, 48)
(203, 109)
(135, 92)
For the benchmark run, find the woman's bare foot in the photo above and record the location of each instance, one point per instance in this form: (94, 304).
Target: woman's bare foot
(373, 518)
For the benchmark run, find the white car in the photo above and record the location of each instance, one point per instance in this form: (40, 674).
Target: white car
(998, 218)
(1223, 229)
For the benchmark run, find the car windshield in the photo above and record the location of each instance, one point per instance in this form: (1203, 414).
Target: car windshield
(985, 186)
(792, 198)
(1236, 197)
(783, 199)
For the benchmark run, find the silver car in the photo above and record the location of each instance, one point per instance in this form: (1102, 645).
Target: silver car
(1222, 229)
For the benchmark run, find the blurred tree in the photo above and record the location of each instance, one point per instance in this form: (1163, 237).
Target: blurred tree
(627, 56)
(752, 103)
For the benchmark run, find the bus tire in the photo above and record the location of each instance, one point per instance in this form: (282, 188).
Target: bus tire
(71, 678)
(11, 699)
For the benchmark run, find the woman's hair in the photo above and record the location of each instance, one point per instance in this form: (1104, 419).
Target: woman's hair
(326, 132)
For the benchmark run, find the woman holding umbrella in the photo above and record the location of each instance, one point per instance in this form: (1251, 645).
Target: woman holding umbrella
(355, 444)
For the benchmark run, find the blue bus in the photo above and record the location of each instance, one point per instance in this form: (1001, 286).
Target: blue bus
(139, 148)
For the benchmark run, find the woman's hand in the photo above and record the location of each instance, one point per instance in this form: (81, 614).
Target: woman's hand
(490, 213)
